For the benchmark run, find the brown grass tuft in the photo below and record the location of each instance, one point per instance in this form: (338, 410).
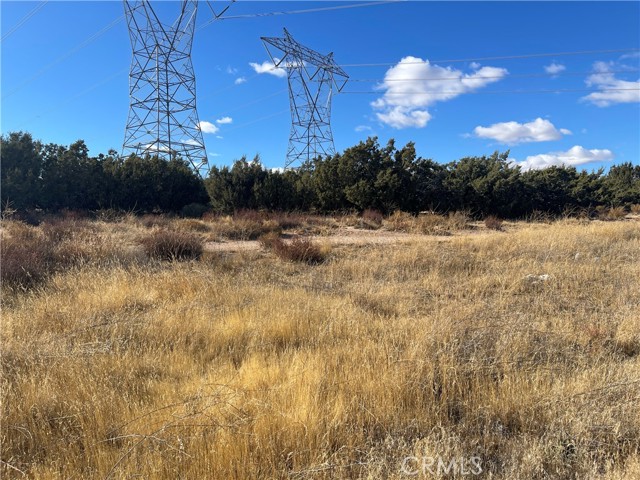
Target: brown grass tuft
(371, 219)
(172, 245)
(429, 223)
(242, 228)
(30, 255)
(611, 213)
(493, 223)
(27, 256)
(150, 220)
(298, 249)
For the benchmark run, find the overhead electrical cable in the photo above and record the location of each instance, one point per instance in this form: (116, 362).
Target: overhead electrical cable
(253, 102)
(483, 77)
(62, 58)
(216, 16)
(24, 20)
(496, 92)
(502, 57)
(77, 95)
(295, 12)
(229, 87)
(257, 120)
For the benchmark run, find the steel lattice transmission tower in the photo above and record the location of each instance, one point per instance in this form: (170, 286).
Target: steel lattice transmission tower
(163, 119)
(312, 77)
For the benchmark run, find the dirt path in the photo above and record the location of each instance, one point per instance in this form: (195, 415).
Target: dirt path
(342, 236)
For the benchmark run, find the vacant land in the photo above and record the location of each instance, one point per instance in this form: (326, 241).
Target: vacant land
(518, 348)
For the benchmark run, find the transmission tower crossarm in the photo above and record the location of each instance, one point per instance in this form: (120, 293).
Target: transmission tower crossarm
(299, 55)
(291, 47)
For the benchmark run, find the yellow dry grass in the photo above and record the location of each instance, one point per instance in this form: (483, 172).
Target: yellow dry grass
(519, 348)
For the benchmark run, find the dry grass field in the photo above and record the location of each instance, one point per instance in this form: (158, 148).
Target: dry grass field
(517, 348)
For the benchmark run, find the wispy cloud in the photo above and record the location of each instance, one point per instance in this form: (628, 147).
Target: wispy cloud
(626, 56)
(575, 156)
(414, 84)
(363, 128)
(240, 80)
(268, 67)
(512, 133)
(212, 154)
(224, 120)
(611, 89)
(207, 127)
(555, 68)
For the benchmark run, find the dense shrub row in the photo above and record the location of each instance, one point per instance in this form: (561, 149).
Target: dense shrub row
(364, 177)
(54, 177)
(371, 178)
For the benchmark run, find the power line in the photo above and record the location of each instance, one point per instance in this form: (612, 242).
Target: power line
(228, 87)
(296, 12)
(216, 16)
(504, 57)
(253, 102)
(524, 75)
(483, 92)
(74, 97)
(257, 120)
(62, 58)
(24, 20)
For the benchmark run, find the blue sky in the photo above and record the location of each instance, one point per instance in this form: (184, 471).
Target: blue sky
(65, 77)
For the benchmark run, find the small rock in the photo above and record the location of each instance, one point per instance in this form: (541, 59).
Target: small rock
(535, 279)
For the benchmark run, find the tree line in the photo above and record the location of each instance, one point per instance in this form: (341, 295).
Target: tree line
(366, 176)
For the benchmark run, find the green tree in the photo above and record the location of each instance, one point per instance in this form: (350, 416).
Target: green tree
(360, 166)
(485, 185)
(328, 184)
(549, 190)
(623, 184)
(150, 183)
(589, 189)
(70, 178)
(234, 189)
(21, 170)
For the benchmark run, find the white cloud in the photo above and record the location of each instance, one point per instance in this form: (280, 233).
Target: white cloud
(512, 133)
(219, 137)
(240, 81)
(212, 154)
(630, 55)
(268, 67)
(415, 84)
(405, 117)
(575, 156)
(155, 147)
(363, 128)
(207, 127)
(231, 71)
(224, 120)
(555, 68)
(611, 89)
